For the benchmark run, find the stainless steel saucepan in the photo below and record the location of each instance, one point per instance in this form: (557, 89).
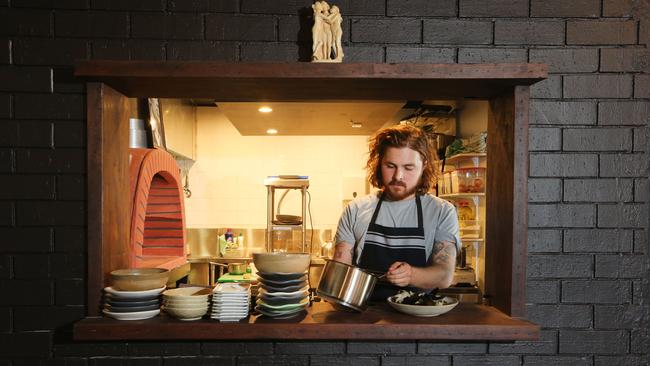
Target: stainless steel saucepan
(346, 286)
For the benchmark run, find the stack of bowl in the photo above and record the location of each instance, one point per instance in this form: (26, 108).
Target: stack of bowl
(284, 288)
(134, 293)
(187, 303)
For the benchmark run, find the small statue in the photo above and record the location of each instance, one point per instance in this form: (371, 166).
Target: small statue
(326, 33)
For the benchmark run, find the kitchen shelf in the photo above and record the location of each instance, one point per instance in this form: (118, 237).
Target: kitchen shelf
(454, 158)
(321, 322)
(462, 195)
(478, 240)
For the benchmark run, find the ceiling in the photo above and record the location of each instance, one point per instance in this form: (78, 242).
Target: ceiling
(319, 118)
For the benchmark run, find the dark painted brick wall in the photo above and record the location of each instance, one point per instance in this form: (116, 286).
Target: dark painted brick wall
(588, 189)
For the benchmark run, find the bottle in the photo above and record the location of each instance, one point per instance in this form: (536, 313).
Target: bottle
(240, 240)
(228, 235)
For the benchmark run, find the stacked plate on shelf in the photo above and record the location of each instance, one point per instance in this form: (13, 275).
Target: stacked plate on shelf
(187, 303)
(230, 301)
(282, 295)
(132, 305)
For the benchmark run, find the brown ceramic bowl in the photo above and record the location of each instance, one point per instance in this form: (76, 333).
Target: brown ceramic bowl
(279, 262)
(139, 279)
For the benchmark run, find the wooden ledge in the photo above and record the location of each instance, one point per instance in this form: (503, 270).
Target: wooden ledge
(322, 322)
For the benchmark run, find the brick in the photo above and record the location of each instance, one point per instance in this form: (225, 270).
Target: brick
(50, 106)
(339, 361)
(544, 241)
(528, 32)
(64, 265)
(595, 32)
(275, 52)
(544, 190)
(450, 348)
(641, 139)
(640, 241)
(462, 32)
(624, 60)
(128, 50)
(621, 360)
(566, 60)
(237, 348)
(50, 161)
(69, 240)
(70, 292)
(485, 360)
(618, 8)
(166, 26)
(26, 187)
(544, 139)
(7, 216)
(25, 23)
(642, 86)
(618, 316)
(5, 320)
(493, 8)
(553, 266)
(46, 317)
(637, 292)
(623, 165)
(598, 86)
(598, 241)
(6, 160)
(623, 113)
(547, 344)
(633, 215)
(65, 82)
(6, 271)
(164, 349)
(386, 30)
(542, 292)
(201, 50)
(25, 345)
(560, 316)
(91, 24)
(39, 213)
(640, 341)
(70, 188)
(363, 54)
(420, 8)
(88, 349)
(5, 51)
(25, 240)
(564, 113)
(8, 133)
(557, 360)
(415, 361)
(50, 4)
(601, 342)
(26, 292)
(601, 139)
(492, 55)
(596, 292)
(347, 7)
(309, 348)
(598, 190)
(644, 32)
(49, 52)
(33, 134)
(563, 165)
(246, 27)
(641, 190)
(199, 361)
(563, 9)
(551, 87)
(223, 6)
(420, 54)
(151, 5)
(69, 134)
(620, 266)
(380, 347)
(272, 360)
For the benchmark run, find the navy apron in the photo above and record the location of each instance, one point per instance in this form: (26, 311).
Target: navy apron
(384, 246)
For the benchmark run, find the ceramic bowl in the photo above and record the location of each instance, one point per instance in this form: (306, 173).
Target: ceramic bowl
(424, 310)
(280, 262)
(187, 313)
(193, 292)
(139, 279)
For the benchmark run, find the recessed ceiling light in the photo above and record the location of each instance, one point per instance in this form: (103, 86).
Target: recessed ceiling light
(265, 109)
(271, 131)
(356, 124)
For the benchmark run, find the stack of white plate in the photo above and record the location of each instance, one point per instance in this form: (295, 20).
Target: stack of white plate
(230, 301)
(132, 305)
(187, 303)
(282, 295)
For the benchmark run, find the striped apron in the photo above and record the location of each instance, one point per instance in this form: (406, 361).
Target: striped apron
(384, 246)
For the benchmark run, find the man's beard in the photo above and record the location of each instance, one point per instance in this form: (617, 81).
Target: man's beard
(400, 194)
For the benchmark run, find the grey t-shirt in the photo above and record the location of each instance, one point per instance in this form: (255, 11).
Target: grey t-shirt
(439, 219)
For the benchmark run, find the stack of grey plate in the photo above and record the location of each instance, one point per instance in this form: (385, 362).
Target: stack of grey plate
(132, 305)
(282, 295)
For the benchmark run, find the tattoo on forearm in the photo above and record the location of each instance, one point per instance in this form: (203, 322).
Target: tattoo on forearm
(444, 252)
(342, 251)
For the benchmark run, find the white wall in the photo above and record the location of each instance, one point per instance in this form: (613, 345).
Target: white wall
(227, 179)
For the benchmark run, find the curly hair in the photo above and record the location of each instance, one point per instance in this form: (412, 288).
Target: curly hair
(402, 136)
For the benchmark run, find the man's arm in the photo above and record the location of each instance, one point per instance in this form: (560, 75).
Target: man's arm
(343, 252)
(439, 274)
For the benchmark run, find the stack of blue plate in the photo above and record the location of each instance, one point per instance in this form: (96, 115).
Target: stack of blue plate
(132, 305)
(282, 295)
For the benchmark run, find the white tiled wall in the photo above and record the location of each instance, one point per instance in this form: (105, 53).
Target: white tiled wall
(227, 179)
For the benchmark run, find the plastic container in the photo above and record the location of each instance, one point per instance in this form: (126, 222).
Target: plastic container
(468, 180)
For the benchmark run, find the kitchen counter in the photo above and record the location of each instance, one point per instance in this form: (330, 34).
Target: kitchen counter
(322, 322)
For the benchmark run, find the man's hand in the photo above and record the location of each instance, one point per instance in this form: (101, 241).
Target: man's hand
(438, 274)
(399, 274)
